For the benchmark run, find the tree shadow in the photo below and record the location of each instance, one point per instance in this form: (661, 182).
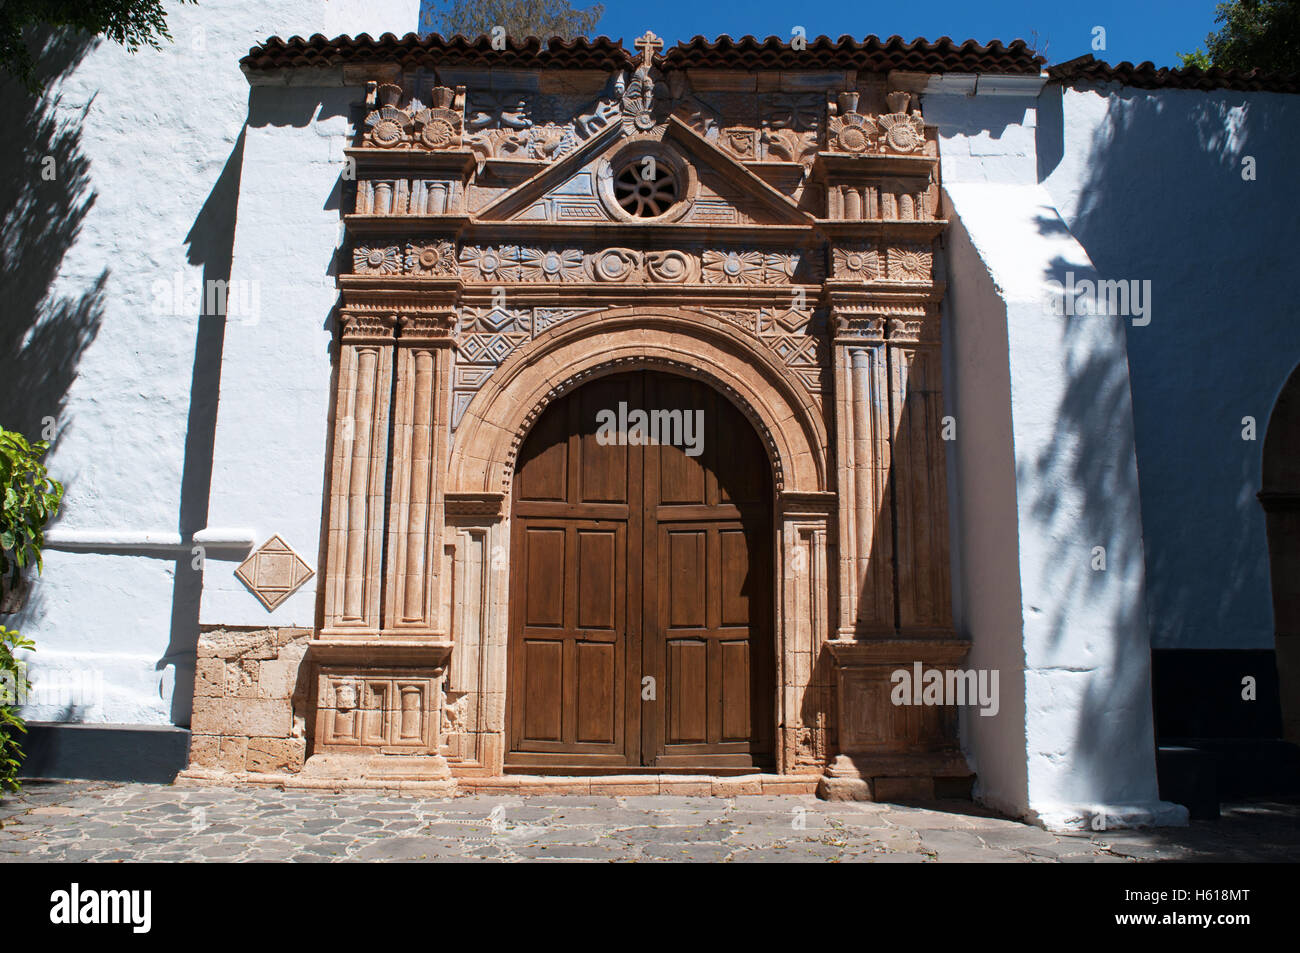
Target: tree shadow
(51, 318)
(1201, 554)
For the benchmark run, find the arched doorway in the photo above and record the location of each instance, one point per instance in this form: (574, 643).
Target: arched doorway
(1280, 495)
(641, 604)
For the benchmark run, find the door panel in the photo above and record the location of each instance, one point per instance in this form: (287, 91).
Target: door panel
(641, 563)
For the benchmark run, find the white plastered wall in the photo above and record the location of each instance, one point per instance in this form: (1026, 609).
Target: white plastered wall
(152, 151)
(1044, 475)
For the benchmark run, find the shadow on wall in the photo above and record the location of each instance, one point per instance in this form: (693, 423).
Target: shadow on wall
(211, 241)
(47, 196)
(1164, 200)
(1083, 481)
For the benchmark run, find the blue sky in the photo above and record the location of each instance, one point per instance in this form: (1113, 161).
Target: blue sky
(1136, 30)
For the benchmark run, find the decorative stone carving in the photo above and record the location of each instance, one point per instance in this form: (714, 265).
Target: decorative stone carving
(719, 273)
(856, 262)
(376, 260)
(641, 95)
(733, 267)
(437, 126)
(911, 263)
(492, 264)
(550, 265)
(378, 709)
(902, 132)
(273, 572)
(434, 259)
(850, 131)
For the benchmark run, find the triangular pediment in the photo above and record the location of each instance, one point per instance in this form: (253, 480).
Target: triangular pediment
(717, 189)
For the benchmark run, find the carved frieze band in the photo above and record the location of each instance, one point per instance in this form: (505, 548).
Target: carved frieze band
(512, 264)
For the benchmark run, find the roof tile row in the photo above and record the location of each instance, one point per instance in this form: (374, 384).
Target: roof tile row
(1087, 69)
(871, 54)
(748, 53)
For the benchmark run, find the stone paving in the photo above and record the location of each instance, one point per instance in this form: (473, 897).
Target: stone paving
(97, 821)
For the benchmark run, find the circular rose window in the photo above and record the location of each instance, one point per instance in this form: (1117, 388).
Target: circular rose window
(647, 189)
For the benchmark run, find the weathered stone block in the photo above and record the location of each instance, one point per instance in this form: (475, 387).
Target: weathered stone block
(209, 678)
(278, 678)
(258, 717)
(276, 755)
(233, 753)
(204, 751)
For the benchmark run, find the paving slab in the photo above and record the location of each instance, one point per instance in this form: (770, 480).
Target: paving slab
(105, 822)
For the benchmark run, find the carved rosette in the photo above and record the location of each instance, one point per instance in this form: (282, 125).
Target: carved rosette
(431, 260)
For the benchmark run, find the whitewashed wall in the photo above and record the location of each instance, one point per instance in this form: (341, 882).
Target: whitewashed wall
(1150, 183)
(156, 143)
(1045, 480)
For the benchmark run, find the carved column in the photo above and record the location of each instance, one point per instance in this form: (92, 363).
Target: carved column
(420, 412)
(863, 453)
(475, 555)
(924, 587)
(360, 458)
(806, 670)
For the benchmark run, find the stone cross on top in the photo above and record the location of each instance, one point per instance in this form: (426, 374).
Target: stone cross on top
(649, 45)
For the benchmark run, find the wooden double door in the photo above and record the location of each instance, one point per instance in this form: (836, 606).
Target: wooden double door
(641, 633)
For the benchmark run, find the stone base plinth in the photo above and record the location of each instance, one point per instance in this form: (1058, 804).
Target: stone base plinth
(912, 777)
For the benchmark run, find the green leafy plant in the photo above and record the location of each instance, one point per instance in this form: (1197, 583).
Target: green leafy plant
(1196, 60)
(131, 23)
(13, 688)
(29, 499)
(1255, 34)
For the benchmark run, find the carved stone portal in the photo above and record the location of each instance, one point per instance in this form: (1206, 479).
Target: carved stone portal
(505, 246)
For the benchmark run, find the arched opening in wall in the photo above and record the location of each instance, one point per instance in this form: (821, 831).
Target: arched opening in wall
(641, 596)
(1280, 495)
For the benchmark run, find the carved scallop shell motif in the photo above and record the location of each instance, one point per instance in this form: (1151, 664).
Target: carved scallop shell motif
(387, 126)
(853, 133)
(439, 128)
(903, 133)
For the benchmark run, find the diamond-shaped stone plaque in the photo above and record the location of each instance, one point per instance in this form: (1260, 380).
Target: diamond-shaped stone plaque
(273, 572)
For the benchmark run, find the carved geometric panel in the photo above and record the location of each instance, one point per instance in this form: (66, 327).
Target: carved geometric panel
(378, 708)
(273, 572)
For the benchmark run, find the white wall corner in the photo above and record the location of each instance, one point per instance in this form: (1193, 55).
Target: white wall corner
(1086, 738)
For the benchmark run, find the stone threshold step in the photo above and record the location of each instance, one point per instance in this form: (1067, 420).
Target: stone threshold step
(687, 785)
(602, 785)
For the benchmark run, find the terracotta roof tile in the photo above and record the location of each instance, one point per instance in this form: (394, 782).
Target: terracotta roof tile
(414, 51)
(1087, 69)
(872, 53)
(748, 53)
